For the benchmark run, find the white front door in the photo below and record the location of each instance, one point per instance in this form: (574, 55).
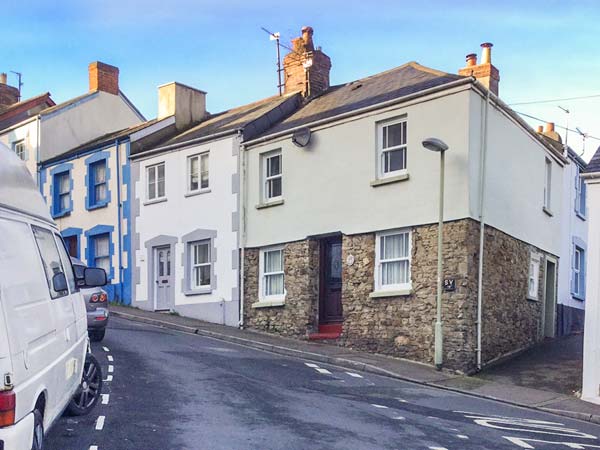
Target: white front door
(162, 278)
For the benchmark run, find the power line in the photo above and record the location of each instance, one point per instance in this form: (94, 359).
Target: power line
(556, 100)
(559, 126)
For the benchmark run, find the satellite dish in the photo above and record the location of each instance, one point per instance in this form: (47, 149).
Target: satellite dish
(301, 137)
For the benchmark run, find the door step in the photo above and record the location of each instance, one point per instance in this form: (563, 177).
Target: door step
(327, 331)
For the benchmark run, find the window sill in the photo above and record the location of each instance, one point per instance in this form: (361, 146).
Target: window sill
(581, 216)
(268, 303)
(389, 180)
(394, 293)
(579, 298)
(156, 200)
(61, 214)
(199, 192)
(269, 204)
(547, 211)
(531, 299)
(97, 206)
(191, 292)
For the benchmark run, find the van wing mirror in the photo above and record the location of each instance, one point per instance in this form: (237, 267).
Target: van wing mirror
(59, 282)
(94, 277)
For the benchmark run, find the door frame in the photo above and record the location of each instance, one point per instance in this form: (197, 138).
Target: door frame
(323, 242)
(155, 260)
(159, 241)
(547, 261)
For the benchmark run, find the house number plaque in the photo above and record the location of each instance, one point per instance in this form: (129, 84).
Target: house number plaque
(350, 260)
(449, 284)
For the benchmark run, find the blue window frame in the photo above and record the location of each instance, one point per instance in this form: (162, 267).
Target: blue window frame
(100, 248)
(72, 238)
(97, 178)
(61, 188)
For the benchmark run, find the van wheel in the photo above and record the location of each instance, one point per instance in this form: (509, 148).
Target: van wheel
(97, 335)
(88, 392)
(38, 431)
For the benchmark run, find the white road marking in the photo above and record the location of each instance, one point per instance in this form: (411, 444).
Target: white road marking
(379, 406)
(93, 447)
(311, 365)
(438, 448)
(105, 398)
(109, 378)
(324, 371)
(401, 400)
(355, 375)
(111, 368)
(462, 436)
(105, 349)
(110, 358)
(100, 422)
(523, 443)
(398, 418)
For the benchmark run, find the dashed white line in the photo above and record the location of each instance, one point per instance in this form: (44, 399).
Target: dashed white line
(93, 447)
(398, 418)
(401, 400)
(462, 436)
(109, 378)
(105, 349)
(110, 358)
(100, 422)
(379, 406)
(324, 371)
(111, 368)
(438, 448)
(311, 365)
(105, 399)
(355, 375)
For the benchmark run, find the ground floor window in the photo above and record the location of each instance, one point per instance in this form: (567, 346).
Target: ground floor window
(200, 264)
(101, 249)
(393, 259)
(272, 279)
(534, 276)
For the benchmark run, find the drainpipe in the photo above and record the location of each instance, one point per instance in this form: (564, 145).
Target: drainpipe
(482, 168)
(119, 217)
(38, 156)
(242, 225)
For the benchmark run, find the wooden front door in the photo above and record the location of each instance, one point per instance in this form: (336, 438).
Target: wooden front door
(71, 243)
(330, 298)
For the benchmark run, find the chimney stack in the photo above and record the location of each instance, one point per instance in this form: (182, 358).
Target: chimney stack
(186, 103)
(540, 129)
(103, 77)
(485, 72)
(549, 132)
(9, 95)
(306, 69)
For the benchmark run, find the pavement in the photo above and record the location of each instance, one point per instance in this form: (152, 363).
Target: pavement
(526, 382)
(170, 389)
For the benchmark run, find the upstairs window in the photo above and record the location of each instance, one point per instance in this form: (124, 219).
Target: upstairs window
(62, 194)
(272, 176)
(198, 173)
(20, 149)
(392, 265)
(578, 273)
(580, 193)
(156, 182)
(392, 147)
(548, 185)
(98, 189)
(272, 279)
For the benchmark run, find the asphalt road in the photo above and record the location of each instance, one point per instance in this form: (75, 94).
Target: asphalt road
(171, 390)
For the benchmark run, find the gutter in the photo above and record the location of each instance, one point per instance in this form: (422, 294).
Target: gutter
(433, 90)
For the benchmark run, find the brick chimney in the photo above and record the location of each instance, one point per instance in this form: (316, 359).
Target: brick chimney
(9, 95)
(550, 132)
(485, 72)
(104, 77)
(186, 103)
(306, 69)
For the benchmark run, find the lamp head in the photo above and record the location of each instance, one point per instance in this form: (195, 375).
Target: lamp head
(435, 145)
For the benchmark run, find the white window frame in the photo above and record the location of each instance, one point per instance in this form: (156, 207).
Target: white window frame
(580, 194)
(154, 167)
(201, 157)
(381, 151)
(265, 179)
(20, 144)
(533, 274)
(379, 287)
(262, 297)
(192, 265)
(578, 272)
(548, 184)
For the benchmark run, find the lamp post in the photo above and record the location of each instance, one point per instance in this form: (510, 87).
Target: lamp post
(437, 145)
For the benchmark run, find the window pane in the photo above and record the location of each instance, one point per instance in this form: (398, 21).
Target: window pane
(204, 275)
(274, 261)
(204, 171)
(201, 253)
(274, 284)
(394, 246)
(168, 262)
(393, 135)
(193, 173)
(50, 257)
(66, 261)
(100, 193)
(274, 188)
(103, 263)
(64, 202)
(100, 172)
(394, 160)
(161, 188)
(161, 172)
(273, 165)
(64, 183)
(101, 245)
(390, 273)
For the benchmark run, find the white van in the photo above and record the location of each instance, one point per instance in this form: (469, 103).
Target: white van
(44, 362)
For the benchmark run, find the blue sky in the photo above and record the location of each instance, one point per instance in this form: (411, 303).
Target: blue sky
(544, 49)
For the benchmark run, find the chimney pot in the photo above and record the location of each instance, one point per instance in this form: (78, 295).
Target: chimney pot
(103, 77)
(540, 129)
(3, 78)
(486, 53)
(471, 59)
(549, 127)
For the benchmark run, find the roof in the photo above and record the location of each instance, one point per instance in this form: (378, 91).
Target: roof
(67, 103)
(407, 79)
(24, 109)
(252, 119)
(575, 157)
(594, 164)
(18, 190)
(99, 142)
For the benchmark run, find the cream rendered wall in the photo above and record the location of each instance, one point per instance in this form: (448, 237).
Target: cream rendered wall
(80, 217)
(29, 132)
(92, 117)
(591, 345)
(514, 186)
(326, 186)
(180, 215)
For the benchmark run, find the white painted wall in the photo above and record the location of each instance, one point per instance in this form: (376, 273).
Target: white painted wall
(28, 131)
(591, 345)
(180, 215)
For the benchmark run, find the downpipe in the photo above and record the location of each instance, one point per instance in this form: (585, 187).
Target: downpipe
(242, 227)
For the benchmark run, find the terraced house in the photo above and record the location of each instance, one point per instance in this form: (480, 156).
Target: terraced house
(340, 225)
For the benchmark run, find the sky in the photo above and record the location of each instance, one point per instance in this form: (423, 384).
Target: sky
(544, 49)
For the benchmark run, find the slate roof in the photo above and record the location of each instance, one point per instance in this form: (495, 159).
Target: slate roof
(24, 109)
(67, 103)
(594, 164)
(404, 80)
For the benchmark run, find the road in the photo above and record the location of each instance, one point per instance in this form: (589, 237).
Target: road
(171, 390)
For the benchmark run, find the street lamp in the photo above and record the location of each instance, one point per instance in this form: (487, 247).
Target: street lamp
(437, 145)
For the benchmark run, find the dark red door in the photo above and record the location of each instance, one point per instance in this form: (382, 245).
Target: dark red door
(71, 243)
(330, 302)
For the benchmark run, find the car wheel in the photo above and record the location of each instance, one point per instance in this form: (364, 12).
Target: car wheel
(97, 335)
(38, 431)
(89, 390)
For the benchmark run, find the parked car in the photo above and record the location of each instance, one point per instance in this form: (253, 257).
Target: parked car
(45, 364)
(96, 304)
